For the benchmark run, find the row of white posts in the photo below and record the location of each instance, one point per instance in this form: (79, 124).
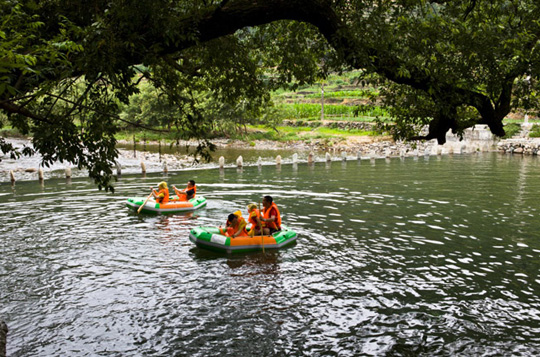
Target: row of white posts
(240, 162)
(40, 174)
(310, 160)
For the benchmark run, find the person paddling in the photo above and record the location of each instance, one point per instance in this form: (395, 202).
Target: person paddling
(162, 195)
(187, 193)
(271, 217)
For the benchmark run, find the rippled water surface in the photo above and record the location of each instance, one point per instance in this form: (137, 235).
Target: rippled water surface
(421, 256)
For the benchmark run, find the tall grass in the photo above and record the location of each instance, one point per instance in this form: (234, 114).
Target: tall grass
(308, 110)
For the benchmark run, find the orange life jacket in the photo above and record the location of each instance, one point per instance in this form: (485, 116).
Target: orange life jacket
(165, 198)
(252, 215)
(241, 223)
(194, 188)
(266, 214)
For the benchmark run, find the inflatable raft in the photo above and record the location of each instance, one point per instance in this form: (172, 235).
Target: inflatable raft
(173, 206)
(211, 238)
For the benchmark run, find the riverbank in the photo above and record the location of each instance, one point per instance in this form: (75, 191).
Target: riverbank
(476, 139)
(151, 157)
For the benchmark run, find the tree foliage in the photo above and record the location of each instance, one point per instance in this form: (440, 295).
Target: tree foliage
(68, 68)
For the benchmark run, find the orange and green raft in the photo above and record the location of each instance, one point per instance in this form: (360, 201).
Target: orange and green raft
(175, 205)
(212, 239)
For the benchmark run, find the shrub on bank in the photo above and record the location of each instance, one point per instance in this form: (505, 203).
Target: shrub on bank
(511, 129)
(535, 131)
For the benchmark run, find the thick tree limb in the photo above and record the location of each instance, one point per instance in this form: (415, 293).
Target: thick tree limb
(15, 109)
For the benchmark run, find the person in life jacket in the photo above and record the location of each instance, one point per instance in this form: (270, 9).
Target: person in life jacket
(271, 217)
(187, 193)
(162, 195)
(255, 219)
(235, 226)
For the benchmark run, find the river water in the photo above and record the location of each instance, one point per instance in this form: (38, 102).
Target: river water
(415, 256)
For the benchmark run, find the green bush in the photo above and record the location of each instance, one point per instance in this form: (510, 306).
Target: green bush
(511, 129)
(535, 131)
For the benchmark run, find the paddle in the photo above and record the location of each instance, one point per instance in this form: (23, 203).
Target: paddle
(262, 232)
(147, 198)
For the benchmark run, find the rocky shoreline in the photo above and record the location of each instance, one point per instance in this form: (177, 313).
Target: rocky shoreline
(520, 146)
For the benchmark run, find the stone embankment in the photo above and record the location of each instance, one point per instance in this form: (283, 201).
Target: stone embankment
(334, 124)
(520, 146)
(521, 143)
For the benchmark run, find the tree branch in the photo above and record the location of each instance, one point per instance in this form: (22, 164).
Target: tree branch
(15, 109)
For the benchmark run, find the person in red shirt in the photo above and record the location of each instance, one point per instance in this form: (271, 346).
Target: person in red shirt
(271, 216)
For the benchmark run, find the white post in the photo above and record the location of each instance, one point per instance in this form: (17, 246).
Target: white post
(143, 167)
(239, 161)
(40, 174)
(68, 172)
(310, 157)
(278, 160)
(295, 158)
(165, 168)
(221, 162)
(328, 157)
(344, 155)
(12, 176)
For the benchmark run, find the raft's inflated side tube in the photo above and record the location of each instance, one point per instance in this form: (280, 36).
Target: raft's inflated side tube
(211, 238)
(173, 206)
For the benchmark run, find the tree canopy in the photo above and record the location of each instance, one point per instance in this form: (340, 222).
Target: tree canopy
(67, 67)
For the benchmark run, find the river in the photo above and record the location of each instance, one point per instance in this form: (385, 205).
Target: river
(414, 256)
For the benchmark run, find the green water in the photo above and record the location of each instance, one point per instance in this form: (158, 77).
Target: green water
(417, 256)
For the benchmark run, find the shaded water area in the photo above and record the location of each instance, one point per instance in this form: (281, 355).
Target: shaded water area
(415, 256)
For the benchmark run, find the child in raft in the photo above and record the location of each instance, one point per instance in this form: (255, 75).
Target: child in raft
(235, 225)
(254, 217)
(162, 195)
